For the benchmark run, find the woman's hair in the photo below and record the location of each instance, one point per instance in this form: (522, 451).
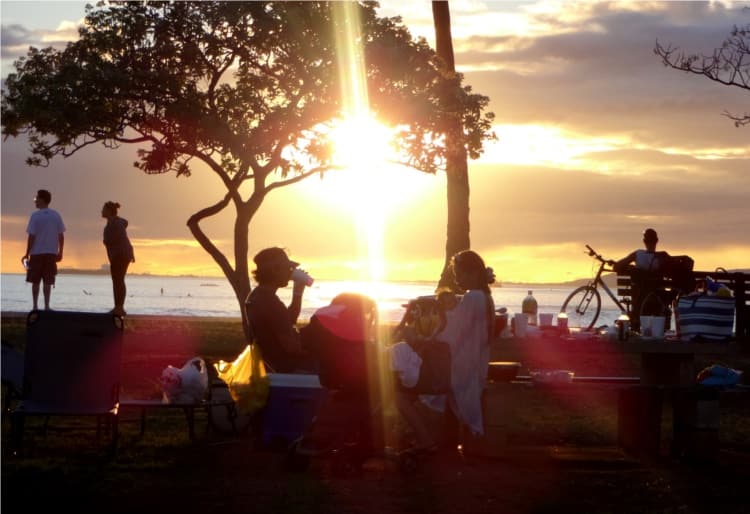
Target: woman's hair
(471, 262)
(112, 206)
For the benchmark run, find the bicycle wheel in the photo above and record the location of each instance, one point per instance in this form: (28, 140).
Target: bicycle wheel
(582, 307)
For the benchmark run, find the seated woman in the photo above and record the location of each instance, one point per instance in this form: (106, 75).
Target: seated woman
(468, 331)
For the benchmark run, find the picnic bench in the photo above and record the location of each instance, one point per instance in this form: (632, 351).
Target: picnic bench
(221, 403)
(738, 282)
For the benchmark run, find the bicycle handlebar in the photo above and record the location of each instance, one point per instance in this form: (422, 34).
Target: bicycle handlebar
(598, 256)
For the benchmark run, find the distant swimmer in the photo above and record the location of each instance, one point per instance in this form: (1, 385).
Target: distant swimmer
(87, 293)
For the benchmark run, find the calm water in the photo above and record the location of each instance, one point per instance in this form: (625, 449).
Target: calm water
(195, 296)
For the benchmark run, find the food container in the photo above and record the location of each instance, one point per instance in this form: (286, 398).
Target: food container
(552, 376)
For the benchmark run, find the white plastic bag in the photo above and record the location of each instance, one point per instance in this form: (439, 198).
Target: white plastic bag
(188, 384)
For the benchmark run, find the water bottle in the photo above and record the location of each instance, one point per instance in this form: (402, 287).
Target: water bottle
(529, 307)
(300, 275)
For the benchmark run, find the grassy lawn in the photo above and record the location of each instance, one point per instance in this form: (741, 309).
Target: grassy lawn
(560, 456)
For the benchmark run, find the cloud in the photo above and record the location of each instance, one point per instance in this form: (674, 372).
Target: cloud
(15, 40)
(592, 70)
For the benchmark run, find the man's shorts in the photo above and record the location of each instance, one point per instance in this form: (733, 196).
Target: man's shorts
(42, 266)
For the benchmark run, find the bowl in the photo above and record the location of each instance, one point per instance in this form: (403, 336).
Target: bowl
(500, 371)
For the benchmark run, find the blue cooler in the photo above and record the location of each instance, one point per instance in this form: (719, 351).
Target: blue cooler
(293, 401)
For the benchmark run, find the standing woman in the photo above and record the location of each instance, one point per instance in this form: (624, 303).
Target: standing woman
(119, 252)
(468, 331)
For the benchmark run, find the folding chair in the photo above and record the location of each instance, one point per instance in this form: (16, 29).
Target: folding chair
(71, 368)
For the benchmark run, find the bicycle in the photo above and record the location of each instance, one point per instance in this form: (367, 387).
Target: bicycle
(584, 304)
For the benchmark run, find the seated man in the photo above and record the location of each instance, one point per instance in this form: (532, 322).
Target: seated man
(271, 322)
(646, 276)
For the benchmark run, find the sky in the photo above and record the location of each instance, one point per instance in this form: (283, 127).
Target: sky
(597, 140)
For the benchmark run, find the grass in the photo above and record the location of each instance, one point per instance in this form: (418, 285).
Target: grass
(561, 455)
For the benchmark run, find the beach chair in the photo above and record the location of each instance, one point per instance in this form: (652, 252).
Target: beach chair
(72, 369)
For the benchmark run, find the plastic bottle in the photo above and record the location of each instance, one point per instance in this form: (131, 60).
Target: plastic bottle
(529, 307)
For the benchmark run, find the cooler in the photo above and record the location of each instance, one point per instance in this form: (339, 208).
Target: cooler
(293, 400)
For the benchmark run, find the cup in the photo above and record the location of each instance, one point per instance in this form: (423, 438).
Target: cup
(657, 326)
(300, 275)
(562, 323)
(520, 324)
(647, 326)
(545, 319)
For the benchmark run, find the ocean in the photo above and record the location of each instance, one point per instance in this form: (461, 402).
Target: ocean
(213, 297)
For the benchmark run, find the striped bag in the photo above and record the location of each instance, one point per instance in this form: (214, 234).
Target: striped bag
(705, 318)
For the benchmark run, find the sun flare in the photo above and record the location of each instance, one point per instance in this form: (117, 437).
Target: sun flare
(369, 187)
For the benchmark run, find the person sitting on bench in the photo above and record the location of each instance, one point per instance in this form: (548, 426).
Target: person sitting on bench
(646, 268)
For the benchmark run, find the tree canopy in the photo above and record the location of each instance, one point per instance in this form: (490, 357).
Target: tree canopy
(250, 90)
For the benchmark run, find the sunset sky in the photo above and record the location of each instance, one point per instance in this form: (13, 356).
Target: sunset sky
(597, 140)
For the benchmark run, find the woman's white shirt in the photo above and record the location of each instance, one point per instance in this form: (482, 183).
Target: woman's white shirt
(467, 333)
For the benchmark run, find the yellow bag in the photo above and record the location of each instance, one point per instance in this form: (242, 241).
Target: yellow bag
(247, 380)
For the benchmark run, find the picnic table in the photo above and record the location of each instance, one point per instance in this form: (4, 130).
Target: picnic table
(671, 363)
(668, 373)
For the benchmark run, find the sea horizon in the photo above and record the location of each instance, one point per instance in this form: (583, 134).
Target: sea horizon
(213, 296)
(500, 282)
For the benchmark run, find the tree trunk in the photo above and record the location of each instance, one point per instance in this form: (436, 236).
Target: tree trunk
(457, 170)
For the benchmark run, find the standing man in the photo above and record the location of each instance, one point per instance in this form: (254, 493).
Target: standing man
(44, 248)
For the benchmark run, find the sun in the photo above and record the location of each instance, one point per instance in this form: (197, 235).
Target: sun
(368, 186)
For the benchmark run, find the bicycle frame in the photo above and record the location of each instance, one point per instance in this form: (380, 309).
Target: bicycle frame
(583, 305)
(598, 282)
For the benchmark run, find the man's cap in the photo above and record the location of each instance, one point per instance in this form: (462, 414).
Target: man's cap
(273, 256)
(650, 233)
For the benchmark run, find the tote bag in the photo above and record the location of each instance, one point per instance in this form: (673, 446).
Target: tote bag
(703, 317)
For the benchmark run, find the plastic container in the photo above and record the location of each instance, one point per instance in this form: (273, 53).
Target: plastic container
(623, 327)
(529, 307)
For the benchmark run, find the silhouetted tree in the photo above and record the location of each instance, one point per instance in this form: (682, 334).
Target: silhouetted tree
(729, 64)
(247, 89)
(456, 169)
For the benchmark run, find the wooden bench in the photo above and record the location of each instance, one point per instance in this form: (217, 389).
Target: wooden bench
(738, 282)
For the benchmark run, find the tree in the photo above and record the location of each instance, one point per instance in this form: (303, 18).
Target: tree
(249, 90)
(456, 169)
(729, 64)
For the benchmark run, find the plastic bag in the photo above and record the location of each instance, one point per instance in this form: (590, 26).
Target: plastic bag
(188, 384)
(718, 375)
(246, 379)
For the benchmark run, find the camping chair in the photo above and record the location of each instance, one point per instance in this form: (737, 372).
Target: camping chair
(71, 368)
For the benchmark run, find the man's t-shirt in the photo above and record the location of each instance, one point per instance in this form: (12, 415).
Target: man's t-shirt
(45, 225)
(269, 319)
